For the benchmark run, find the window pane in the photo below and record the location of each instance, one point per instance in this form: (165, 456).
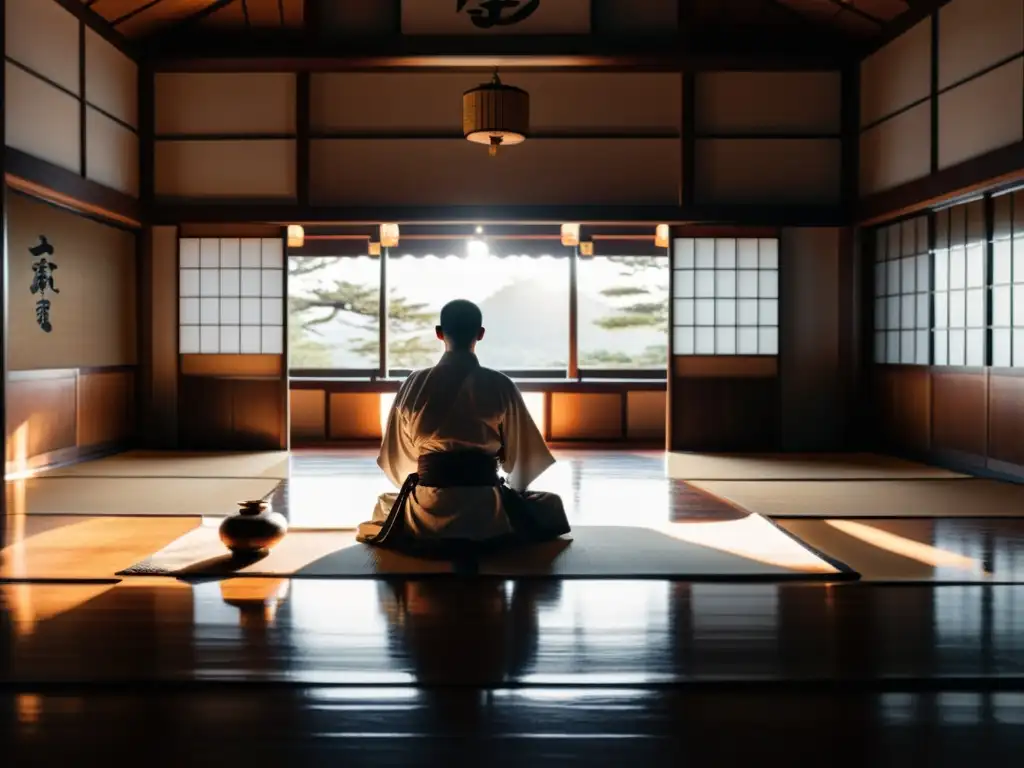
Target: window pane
(209, 339)
(230, 311)
(922, 311)
(188, 282)
(188, 253)
(976, 347)
(705, 284)
(923, 278)
(209, 311)
(941, 310)
(747, 312)
(894, 312)
(957, 309)
(725, 341)
(957, 268)
(229, 339)
(1001, 351)
(921, 348)
(705, 311)
(188, 339)
(880, 313)
(683, 312)
(725, 312)
(683, 284)
(1018, 348)
(892, 277)
(705, 253)
(188, 311)
(333, 306)
(907, 347)
(957, 348)
(879, 279)
(909, 311)
(768, 253)
(768, 312)
(909, 272)
(1001, 306)
(682, 341)
(705, 341)
(230, 258)
(941, 260)
(975, 266)
(1018, 260)
(746, 341)
(748, 284)
(892, 347)
(768, 284)
(768, 341)
(251, 342)
(209, 253)
(725, 283)
(976, 308)
(682, 253)
(1002, 261)
(725, 253)
(880, 347)
(941, 342)
(746, 250)
(1018, 306)
(525, 306)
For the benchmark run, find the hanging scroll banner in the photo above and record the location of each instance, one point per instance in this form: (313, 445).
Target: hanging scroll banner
(496, 17)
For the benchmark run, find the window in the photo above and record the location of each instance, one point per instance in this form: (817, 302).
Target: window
(524, 300)
(622, 306)
(726, 296)
(1008, 281)
(958, 301)
(902, 285)
(231, 296)
(334, 312)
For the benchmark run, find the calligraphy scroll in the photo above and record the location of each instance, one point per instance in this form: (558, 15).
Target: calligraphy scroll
(496, 17)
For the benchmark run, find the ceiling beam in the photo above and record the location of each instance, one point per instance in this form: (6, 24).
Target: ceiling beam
(850, 6)
(919, 11)
(292, 50)
(100, 26)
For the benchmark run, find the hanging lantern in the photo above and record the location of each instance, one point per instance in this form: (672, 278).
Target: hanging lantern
(586, 247)
(570, 235)
(373, 248)
(661, 236)
(389, 235)
(296, 236)
(496, 114)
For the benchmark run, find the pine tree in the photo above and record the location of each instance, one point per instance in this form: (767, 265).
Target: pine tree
(649, 309)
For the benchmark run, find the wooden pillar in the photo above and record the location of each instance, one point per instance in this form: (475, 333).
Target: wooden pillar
(3, 273)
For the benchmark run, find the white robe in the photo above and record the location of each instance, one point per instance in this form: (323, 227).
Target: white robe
(459, 405)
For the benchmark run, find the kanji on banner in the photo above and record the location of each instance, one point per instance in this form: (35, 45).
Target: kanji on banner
(519, 17)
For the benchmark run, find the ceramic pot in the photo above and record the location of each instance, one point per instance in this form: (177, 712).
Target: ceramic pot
(254, 530)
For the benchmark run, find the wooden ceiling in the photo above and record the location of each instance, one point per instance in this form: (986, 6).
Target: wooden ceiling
(854, 18)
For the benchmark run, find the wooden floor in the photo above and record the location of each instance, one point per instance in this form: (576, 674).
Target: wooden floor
(923, 672)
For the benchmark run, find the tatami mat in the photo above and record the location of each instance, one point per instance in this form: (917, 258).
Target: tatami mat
(728, 550)
(935, 551)
(840, 466)
(866, 498)
(133, 496)
(266, 464)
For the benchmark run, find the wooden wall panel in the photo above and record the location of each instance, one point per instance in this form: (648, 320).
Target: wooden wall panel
(902, 397)
(959, 416)
(111, 79)
(975, 34)
(896, 76)
(559, 101)
(40, 415)
(308, 408)
(768, 171)
(1006, 419)
(358, 18)
(94, 317)
(355, 416)
(635, 17)
(43, 37)
(645, 415)
(106, 407)
(575, 172)
(111, 153)
(585, 416)
(896, 151)
(809, 329)
(235, 103)
(42, 120)
(266, 366)
(231, 414)
(263, 169)
(982, 114)
(725, 414)
(767, 102)
(159, 428)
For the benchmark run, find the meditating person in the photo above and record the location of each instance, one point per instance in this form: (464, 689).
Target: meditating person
(451, 427)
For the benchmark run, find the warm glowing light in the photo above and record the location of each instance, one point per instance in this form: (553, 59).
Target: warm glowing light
(389, 235)
(534, 405)
(374, 248)
(586, 248)
(479, 230)
(751, 537)
(296, 236)
(661, 236)
(477, 249)
(570, 235)
(899, 545)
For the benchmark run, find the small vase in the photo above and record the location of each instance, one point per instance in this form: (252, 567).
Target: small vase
(254, 530)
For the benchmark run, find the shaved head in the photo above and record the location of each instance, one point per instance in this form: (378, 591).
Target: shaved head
(461, 323)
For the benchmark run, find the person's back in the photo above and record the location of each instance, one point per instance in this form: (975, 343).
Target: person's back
(449, 429)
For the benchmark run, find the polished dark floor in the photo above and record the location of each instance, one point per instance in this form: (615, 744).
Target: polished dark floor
(464, 671)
